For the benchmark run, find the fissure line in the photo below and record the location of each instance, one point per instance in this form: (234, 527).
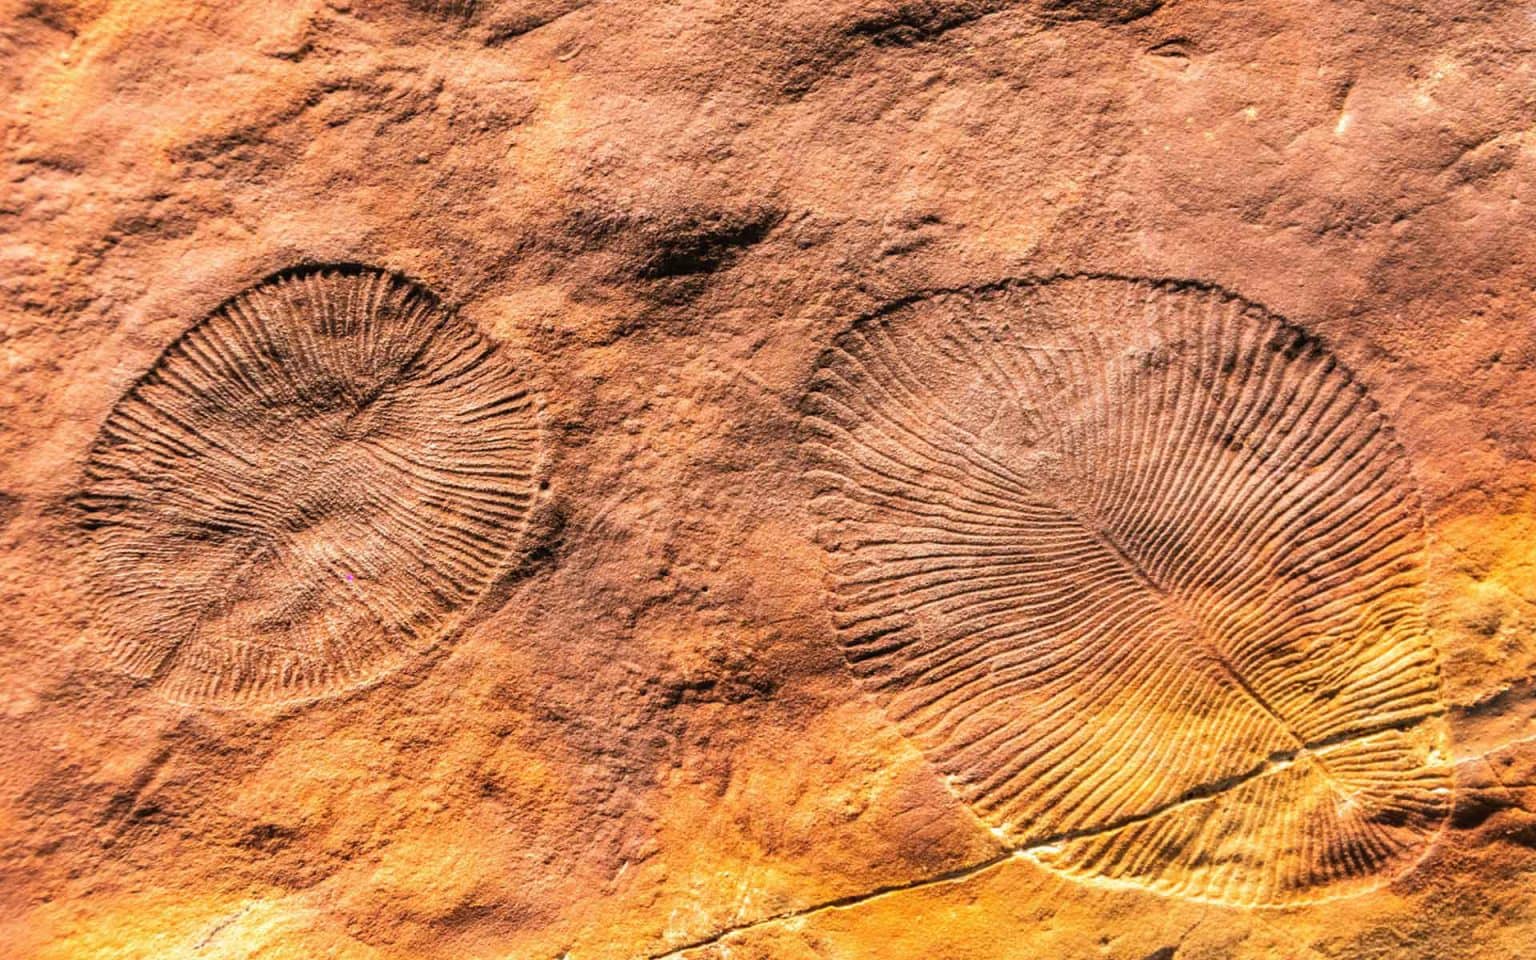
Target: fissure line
(1201, 794)
(842, 903)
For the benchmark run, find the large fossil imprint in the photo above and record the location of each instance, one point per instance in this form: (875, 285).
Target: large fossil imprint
(308, 487)
(1139, 566)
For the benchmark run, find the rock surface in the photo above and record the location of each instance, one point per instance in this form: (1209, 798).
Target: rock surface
(642, 738)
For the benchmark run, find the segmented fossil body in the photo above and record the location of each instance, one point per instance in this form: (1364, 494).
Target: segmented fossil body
(306, 489)
(1139, 566)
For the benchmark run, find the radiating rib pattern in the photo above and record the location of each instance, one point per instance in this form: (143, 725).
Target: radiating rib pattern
(1139, 566)
(307, 488)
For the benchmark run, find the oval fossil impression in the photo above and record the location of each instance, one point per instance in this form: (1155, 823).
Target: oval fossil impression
(1139, 566)
(307, 488)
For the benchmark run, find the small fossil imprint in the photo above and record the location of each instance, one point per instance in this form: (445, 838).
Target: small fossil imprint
(1139, 566)
(306, 489)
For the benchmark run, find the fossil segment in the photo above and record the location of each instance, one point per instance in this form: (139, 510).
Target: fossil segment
(1139, 566)
(306, 489)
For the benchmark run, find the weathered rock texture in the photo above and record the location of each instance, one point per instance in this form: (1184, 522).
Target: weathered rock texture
(838, 479)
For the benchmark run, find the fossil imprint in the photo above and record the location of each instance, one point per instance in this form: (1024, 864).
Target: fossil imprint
(306, 489)
(1139, 567)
